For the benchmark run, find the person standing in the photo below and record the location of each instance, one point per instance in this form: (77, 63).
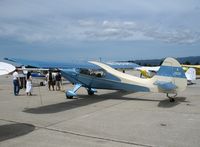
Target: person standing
(29, 84)
(49, 78)
(58, 81)
(16, 82)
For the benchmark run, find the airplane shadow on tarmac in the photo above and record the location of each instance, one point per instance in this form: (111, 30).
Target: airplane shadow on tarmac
(9, 131)
(84, 100)
(166, 104)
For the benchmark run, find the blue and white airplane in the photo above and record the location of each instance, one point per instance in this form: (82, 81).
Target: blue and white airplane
(170, 78)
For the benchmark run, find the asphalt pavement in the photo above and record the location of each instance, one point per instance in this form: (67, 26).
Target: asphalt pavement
(108, 118)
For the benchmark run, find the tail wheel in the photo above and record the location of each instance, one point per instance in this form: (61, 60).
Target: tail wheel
(171, 98)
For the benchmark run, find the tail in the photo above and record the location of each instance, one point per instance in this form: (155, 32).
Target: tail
(170, 78)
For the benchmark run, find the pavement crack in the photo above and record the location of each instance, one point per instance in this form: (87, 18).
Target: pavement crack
(37, 128)
(97, 137)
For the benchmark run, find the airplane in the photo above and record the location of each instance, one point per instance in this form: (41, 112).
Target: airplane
(146, 71)
(196, 67)
(170, 79)
(6, 68)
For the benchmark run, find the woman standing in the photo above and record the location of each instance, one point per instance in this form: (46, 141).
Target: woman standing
(28, 84)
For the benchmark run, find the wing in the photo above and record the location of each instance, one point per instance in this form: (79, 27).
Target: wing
(6, 68)
(69, 65)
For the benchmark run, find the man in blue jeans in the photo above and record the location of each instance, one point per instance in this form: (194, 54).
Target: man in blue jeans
(16, 82)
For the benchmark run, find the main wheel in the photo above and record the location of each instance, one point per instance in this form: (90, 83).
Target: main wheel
(90, 92)
(69, 97)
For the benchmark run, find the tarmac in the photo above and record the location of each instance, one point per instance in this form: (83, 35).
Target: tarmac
(108, 118)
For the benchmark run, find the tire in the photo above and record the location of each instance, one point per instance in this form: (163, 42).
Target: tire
(90, 92)
(41, 84)
(69, 97)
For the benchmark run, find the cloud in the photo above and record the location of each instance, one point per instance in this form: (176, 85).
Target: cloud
(93, 20)
(182, 36)
(91, 30)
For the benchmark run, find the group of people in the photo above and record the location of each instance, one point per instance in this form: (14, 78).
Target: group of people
(17, 83)
(52, 80)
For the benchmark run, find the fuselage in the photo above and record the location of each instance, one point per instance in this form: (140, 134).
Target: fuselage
(164, 81)
(99, 80)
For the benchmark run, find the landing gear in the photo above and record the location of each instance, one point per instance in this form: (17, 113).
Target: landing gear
(70, 93)
(41, 83)
(90, 92)
(171, 98)
(69, 97)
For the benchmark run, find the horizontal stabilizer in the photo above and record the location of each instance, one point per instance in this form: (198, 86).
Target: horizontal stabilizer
(166, 86)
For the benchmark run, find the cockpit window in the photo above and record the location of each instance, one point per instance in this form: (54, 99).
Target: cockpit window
(92, 72)
(84, 71)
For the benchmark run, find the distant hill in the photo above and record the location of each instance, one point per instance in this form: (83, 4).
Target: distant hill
(155, 62)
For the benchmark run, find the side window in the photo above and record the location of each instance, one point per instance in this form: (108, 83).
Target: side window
(84, 71)
(98, 73)
(95, 73)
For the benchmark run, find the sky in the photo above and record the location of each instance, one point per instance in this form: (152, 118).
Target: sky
(64, 30)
